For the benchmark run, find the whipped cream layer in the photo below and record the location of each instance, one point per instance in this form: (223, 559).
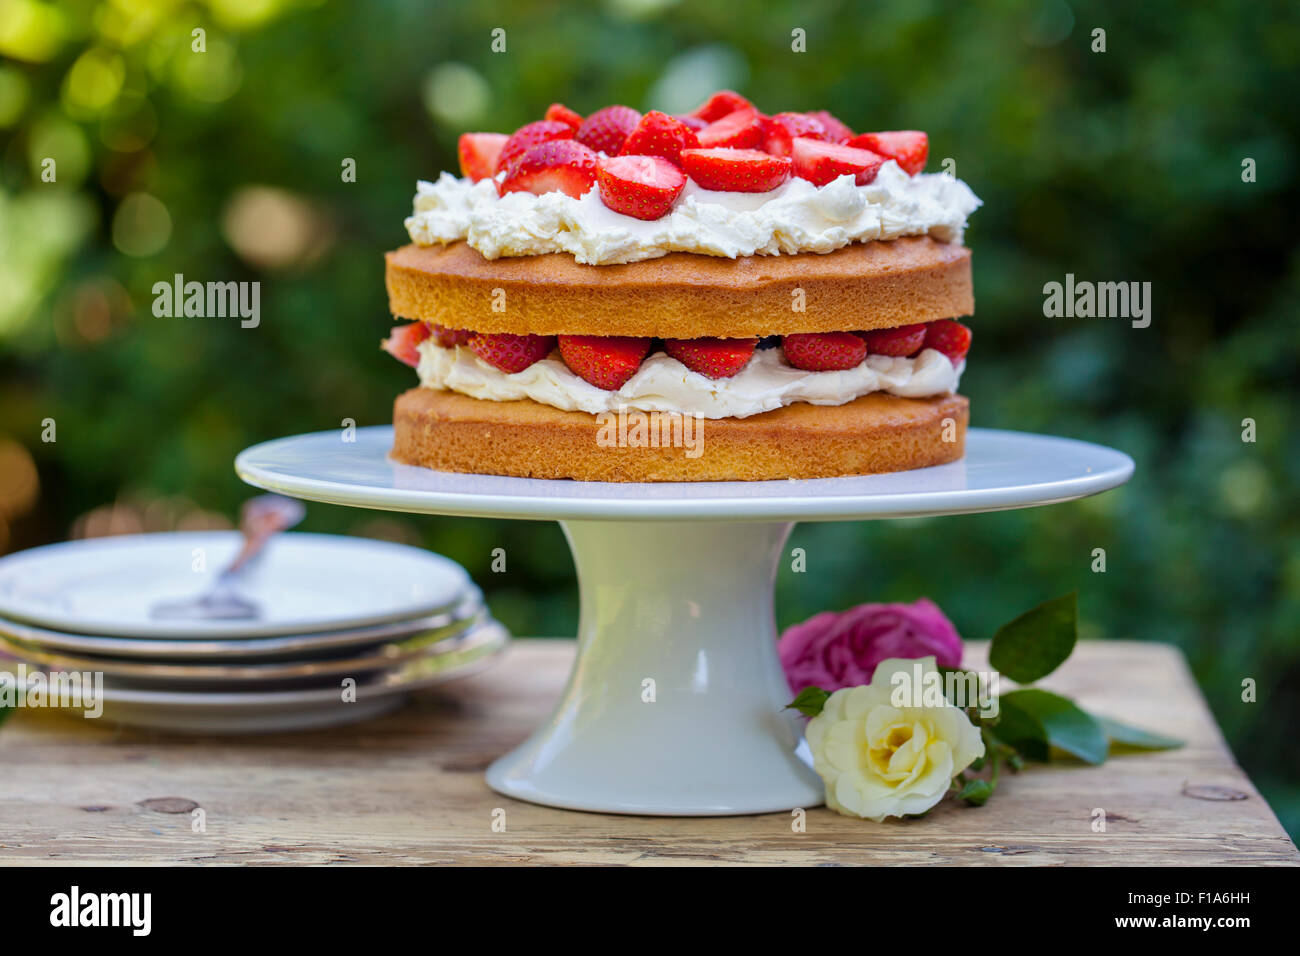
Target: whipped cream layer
(663, 384)
(797, 217)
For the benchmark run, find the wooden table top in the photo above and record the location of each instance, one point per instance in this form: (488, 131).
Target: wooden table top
(408, 788)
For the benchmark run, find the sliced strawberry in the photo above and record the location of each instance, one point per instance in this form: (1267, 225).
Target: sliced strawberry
(781, 129)
(642, 186)
(736, 170)
(949, 337)
(606, 129)
(479, 153)
(742, 129)
(450, 338)
(659, 134)
(716, 358)
(565, 165)
(824, 351)
(907, 147)
(819, 162)
(902, 341)
(402, 341)
(606, 361)
(529, 135)
(559, 113)
(511, 353)
(694, 122)
(836, 132)
(720, 104)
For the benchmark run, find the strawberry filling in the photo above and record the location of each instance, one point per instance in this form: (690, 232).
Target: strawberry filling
(725, 145)
(609, 361)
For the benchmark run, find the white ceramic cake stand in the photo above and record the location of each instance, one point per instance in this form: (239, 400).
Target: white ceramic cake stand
(675, 702)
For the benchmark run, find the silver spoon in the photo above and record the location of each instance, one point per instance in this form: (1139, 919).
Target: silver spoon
(260, 519)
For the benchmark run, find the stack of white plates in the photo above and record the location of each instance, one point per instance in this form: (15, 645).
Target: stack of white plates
(347, 628)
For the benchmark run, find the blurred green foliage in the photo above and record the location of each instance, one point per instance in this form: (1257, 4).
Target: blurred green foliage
(1118, 165)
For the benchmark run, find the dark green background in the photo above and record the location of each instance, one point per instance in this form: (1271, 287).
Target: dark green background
(1122, 165)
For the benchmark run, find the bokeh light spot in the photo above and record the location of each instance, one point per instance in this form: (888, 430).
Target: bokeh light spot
(274, 229)
(54, 137)
(208, 77)
(456, 94)
(141, 226)
(690, 77)
(94, 82)
(29, 30)
(19, 484)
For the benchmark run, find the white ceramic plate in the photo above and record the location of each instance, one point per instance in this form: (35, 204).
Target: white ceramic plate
(303, 582)
(290, 710)
(249, 676)
(1001, 470)
(295, 647)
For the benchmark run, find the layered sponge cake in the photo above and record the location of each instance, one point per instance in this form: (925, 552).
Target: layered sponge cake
(723, 295)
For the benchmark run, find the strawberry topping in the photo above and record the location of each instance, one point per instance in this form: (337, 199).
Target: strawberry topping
(949, 337)
(903, 341)
(641, 186)
(564, 165)
(820, 162)
(836, 132)
(402, 341)
(450, 338)
(824, 351)
(559, 113)
(659, 134)
(606, 361)
(720, 104)
(511, 353)
(529, 135)
(742, 129)
(607, 129)
(907, 147)
(478, 153)
(716, 358)
(781, 129)
(736, 170)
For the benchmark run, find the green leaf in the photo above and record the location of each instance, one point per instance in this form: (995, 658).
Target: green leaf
(1038, 641)
(1033, 721)
(1124, 736)
(976, 792)
(809, 701)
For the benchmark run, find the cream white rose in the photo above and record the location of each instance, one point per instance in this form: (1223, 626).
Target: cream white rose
(880, 760)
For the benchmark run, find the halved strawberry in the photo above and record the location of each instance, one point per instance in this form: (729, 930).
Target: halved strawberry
(642, 186)
(742, 129)
(720, 104)
(836, 131)
(606, 129)
(824, 351)
(820, 162)
(511, 353)
(716, 358)
(606, 361)
(949, 337)
(659, 134)
(902, 341)
(565, 165)
(478, 153)
(402, 341)
(781, 129)
(907, 147)
(559, 113)
(736, 170)
(450, 338)
(694, 122)
(529, 135)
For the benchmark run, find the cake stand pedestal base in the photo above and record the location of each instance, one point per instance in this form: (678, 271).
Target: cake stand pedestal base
(675, 704)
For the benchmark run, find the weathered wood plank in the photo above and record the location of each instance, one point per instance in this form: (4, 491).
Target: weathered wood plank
(408, 788)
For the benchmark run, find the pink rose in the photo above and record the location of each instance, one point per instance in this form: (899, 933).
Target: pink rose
(833, 650)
